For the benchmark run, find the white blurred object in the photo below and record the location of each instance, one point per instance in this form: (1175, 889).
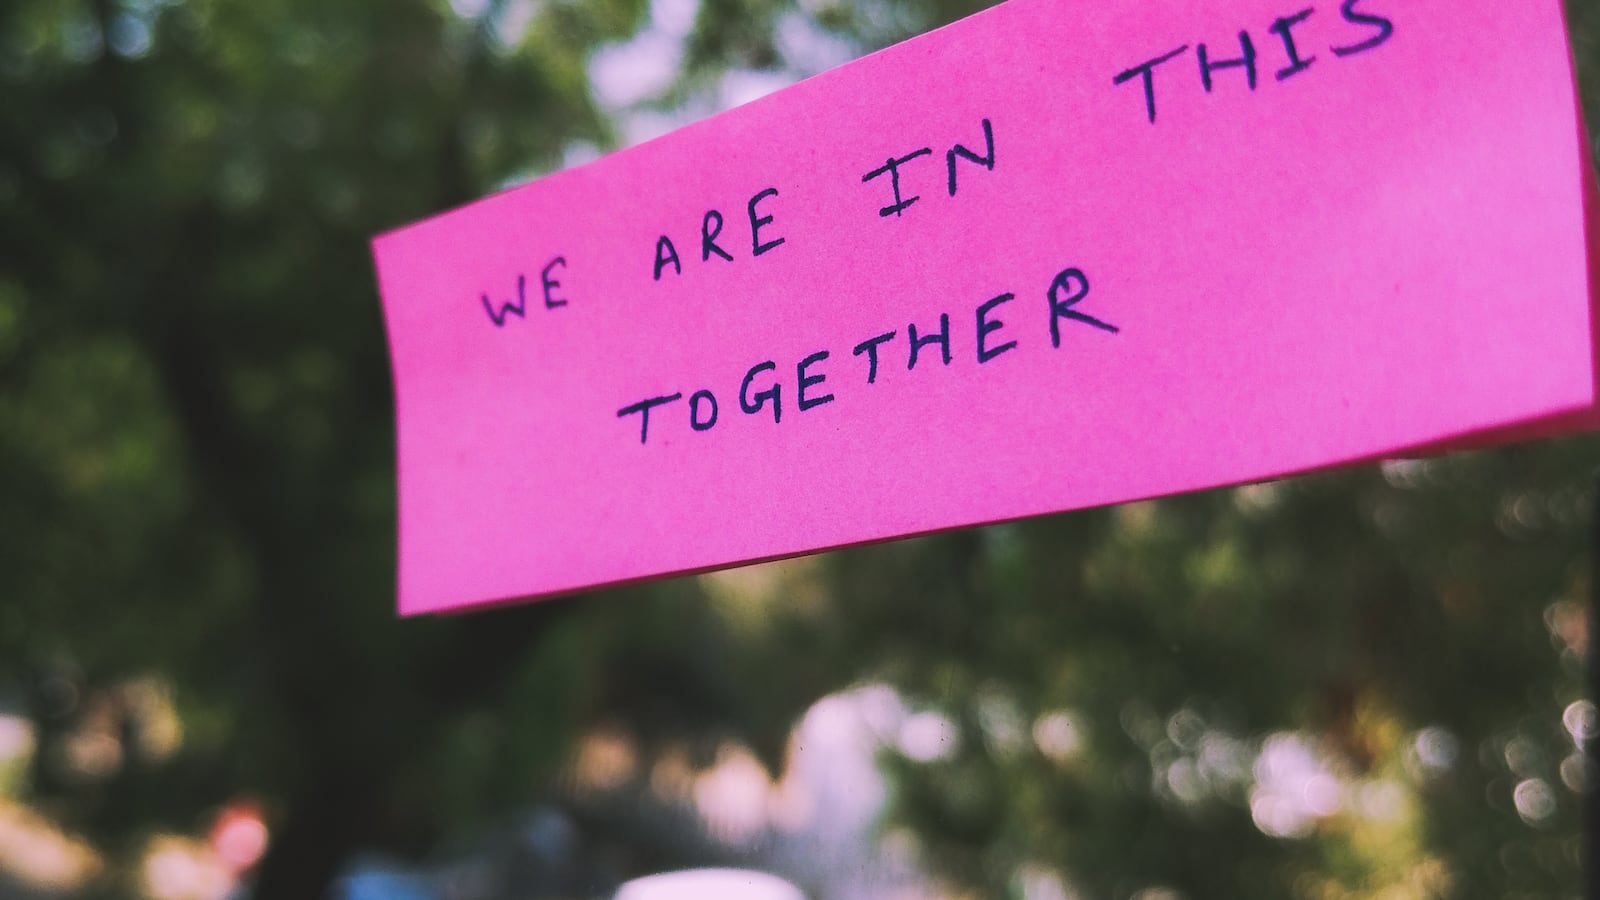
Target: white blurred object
(709, 884)
(16, 738)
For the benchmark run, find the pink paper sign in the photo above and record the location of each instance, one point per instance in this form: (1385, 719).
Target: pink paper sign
(1056, 255)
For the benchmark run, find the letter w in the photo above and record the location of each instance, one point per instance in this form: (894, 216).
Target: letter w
(499, 319)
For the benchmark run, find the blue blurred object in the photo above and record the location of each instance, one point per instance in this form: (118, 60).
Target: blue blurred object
(370, 880)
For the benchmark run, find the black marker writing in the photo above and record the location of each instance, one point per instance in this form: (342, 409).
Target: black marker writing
(1375, 29)
(1066, 292)
(708, 237)
(756, 246)
(942, 339)
(550, 284)
(870, 348)
(695, 421)
(804, 381)
(499, 319)
(987, 326)
(986, 160)
(1247, 62)
(1281, 28)
(665, 243)
(712, 225)
(1384, 26)
(774, 393)
(892, 167)
(643, 408)
(1146, 70)
(519, 308)
(1075, 285)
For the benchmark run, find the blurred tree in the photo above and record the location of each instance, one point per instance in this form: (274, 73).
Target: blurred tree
(196, 466)
(195, 420)
(1328, 687)
(1358, 684)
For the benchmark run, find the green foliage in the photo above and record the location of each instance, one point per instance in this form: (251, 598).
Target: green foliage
(196, 483)
(1356, 610)
(195, 419)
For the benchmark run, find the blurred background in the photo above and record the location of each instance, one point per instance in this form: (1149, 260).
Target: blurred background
(1366, 684)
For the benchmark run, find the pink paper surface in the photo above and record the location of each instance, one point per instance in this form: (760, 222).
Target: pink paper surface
(1382, 250)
